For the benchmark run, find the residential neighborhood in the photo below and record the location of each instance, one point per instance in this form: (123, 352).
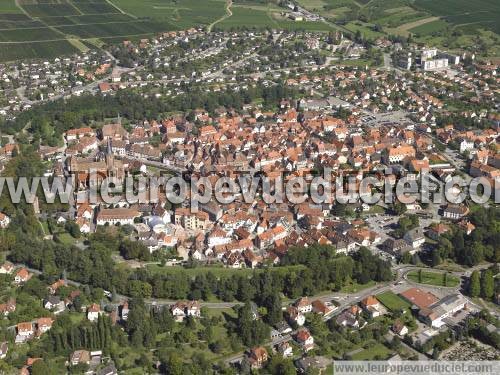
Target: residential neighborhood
(120, 275)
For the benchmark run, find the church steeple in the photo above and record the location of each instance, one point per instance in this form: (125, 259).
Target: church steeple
(110, 159)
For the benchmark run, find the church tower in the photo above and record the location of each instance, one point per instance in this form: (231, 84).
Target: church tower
(110, 158)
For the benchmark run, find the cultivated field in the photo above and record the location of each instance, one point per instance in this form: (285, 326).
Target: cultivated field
(39, 25)
(73, 23)
(485, 13)
(48, 28)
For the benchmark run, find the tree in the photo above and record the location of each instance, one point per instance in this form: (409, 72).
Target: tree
(40, 368)
(435, 353)
(406, 258)
(280, 366)
(436, 259)
(73, 229)
(274, 311)
(174, 365)
(487, 284)
(474, 284)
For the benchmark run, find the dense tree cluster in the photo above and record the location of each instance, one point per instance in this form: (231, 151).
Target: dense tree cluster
(47, 122)
(482, 244)
(64, 337)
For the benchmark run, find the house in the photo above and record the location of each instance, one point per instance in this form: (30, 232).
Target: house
(399, 328)
(4, 220)
(305, 339)
(181, 309)
(415, 237)
(436, 231)
(79, 357)
(257, 357)
(4, 348)
(303, 305)
(24, 331)
(321, 308)
(372, 306)
(8, 307)
(54, 304)
(295, 316)
(398, 154)
(396, 246)
(349, 317)
(55, 286)
(285, 349)
(191, 220)
(43, 325)
(22, 276)
(466, 226)
(124, 311)
(7, 268)
(283, 328)
(93, 312)
(455, 211)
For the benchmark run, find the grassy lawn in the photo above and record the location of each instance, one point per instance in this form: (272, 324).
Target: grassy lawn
(377, 350)
(76, 317)
(66, 239)
(366, 29)
(219, 312)
(434, 278)
(45, 227)
(354, 287)
(392, 301)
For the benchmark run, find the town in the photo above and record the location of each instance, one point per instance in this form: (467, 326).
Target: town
(98, 288)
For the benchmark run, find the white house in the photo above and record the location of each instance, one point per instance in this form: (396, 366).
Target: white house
(305, 339)
(304, 305)
(285, 349)
(93, 312)
(4, 220)
(415, 238)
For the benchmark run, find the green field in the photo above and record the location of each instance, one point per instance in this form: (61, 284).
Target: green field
(102, 21)
(392, 301)
(401, 17)
(430, 27)
(124, 29)
(188, 12)
(434, 278)
(485, 13)
(19, 51)
(16, 35)
(9, 6)
(93, 21)
(377, 350)
(250, 17)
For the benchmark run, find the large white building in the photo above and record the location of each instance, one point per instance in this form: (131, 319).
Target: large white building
(114, 216)
(435, 314)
